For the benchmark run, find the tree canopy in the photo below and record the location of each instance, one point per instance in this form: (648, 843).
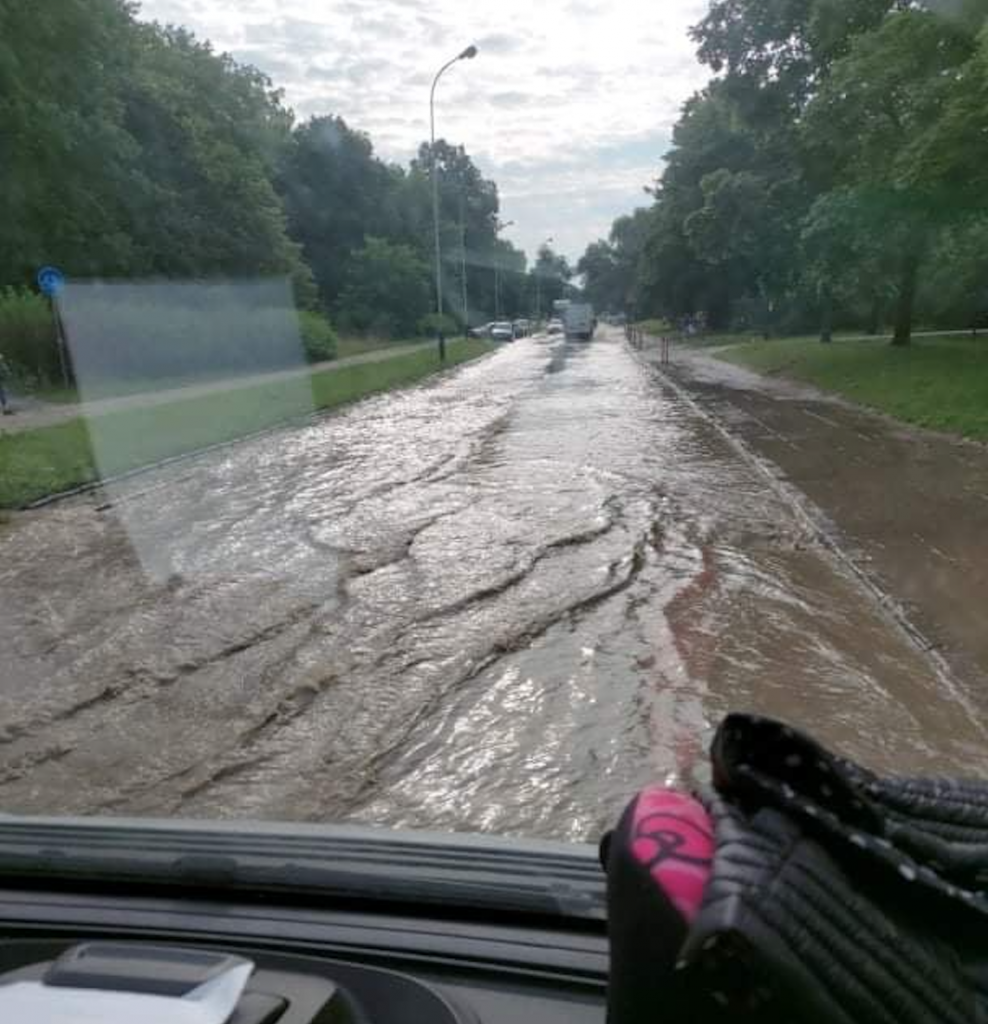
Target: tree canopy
(830, 166)
(130, 149)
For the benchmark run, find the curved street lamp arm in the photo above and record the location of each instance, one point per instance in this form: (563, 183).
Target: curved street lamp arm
(439, 73)
(468, 54)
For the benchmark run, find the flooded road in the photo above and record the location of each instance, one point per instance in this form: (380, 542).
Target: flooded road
(499, 601)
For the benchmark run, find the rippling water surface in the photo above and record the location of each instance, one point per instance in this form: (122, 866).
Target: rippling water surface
(500, 601)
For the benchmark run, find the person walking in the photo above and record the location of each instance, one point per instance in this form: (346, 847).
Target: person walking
(5, 375)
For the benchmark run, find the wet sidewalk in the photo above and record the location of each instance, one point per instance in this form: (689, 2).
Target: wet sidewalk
(909, 507)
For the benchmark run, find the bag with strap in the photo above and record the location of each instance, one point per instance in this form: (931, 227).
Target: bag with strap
(799, 887)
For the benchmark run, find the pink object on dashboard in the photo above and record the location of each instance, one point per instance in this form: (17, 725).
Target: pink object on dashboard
(672, 836)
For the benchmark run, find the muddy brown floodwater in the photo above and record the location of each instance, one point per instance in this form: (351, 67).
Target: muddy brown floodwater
(499, 601)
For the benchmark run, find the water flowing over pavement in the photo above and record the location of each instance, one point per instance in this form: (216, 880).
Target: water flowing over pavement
(498, 601)
(908, 505)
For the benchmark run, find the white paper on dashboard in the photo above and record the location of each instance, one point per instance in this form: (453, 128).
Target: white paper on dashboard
(213, 1002)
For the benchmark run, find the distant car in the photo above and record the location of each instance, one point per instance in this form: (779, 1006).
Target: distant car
(555, 327)
(502, 331)
(482, 330)
(523, 328)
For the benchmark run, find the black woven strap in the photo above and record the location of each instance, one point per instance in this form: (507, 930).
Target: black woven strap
(931, 832)
(790, 925)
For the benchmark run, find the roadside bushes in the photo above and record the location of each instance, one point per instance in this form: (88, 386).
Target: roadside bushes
(27, 334)
(161, 330)
(655, 327)
(319, 340)
(166, 330)
(429, 325)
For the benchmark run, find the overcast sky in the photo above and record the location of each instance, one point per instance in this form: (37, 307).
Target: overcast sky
(568, 106)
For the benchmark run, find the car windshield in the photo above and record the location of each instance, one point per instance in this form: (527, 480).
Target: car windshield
(288, 532)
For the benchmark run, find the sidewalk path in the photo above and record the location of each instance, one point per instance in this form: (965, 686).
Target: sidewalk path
(31, 413)
(908, 505)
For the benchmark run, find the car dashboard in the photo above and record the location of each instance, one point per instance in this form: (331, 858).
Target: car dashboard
(366, 954)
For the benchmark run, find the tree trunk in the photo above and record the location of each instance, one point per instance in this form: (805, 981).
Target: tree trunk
(904, 303)
(765, 311)
(827, 317)
(875, 316)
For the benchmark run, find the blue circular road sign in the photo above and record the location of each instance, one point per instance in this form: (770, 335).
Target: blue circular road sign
(50, 280)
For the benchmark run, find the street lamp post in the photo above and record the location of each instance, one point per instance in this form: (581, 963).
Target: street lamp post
(538, 280)
(463, 269)
(468, 54)
(499, 226)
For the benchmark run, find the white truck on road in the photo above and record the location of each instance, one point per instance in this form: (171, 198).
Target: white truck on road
(579, 321)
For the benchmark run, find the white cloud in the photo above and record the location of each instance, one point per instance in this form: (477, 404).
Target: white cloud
(568, 106)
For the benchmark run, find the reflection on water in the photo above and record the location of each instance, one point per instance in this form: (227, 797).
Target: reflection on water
(500, 601)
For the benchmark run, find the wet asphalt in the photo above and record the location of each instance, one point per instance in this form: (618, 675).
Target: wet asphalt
(499, 601)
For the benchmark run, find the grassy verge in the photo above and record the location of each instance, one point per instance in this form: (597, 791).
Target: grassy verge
(655, 327)
(658, 328)
(347, 347)
(35, 463)
(58, 395)
(939, 382)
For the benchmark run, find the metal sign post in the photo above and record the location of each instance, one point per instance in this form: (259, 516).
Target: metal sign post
(50, 282)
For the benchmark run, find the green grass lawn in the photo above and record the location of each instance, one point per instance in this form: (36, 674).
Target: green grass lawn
(59, 395)
(937, 382)
(347, 347)
(658, 328)
(655, 327)
(36, 463)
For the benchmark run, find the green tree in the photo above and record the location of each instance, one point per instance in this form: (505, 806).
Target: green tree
(387, 290)
(672, 281)
(722, 238)
(877, 105)
(841, 143)
(336, 193)
(953, 291)
(845, 260)
(550, 275)
(784, 47)
(130, 149)
(211, 133)
(468, 213)
(64, 155)
(610, 268)
(460, 178)
(746, 227)
(599, 269)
